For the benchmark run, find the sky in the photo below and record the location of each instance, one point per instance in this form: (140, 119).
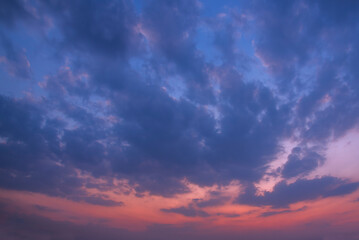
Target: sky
(179, 119)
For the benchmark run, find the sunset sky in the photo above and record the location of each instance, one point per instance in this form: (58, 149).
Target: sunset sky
(179, 120)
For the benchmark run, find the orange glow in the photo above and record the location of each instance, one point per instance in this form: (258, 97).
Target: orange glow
(139, 213)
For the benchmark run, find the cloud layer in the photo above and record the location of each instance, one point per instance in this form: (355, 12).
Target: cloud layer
(165, 95)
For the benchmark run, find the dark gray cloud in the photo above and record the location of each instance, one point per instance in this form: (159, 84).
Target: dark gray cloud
(271, 213)
(189, 211)
(216, 198)
(285, 194)
(106, 28)
(32, 156)
(301, 162)
(45, 209)
(98, 200)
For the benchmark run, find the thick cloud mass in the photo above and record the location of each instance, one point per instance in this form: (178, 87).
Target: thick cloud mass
(163, 93)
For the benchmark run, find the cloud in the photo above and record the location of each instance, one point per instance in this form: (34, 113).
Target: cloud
(45, 209)
(13, 11)
(126, 92)
(272, 213)
(284, 194)
(301, 162)
(216, 198)
(15, 61)
(189, 211)
(108, 29)
(224, 127)
(229, 215)
(170, 29)
(30, 135)
(98, 200)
